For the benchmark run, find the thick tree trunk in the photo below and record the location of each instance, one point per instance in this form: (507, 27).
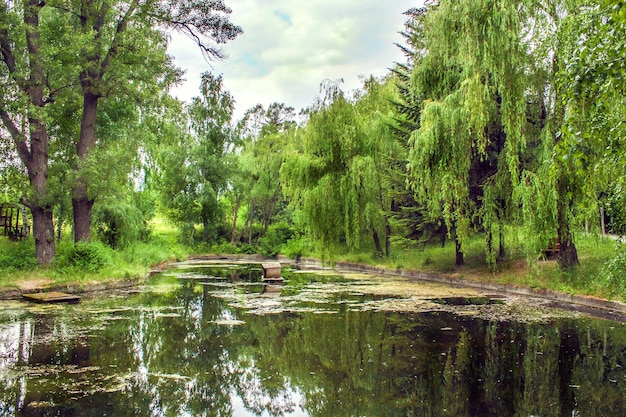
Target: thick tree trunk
(43, 232)
(81, 202)
(37, 165)
(82, 216)
(31, 139)
(568, 255)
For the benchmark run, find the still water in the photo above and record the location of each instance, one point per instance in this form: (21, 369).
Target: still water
(213, 340)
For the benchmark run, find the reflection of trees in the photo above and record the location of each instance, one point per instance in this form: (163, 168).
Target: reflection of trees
(599, 373)
(170, 355)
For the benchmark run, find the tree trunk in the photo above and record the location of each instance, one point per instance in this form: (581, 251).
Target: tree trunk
(82, 215)
(31, 139)
(602, 223)
(205, 230)
(568, 255)
(235, 214)
(459, 255)
(43, 232)
(250, 223)
(387, 239)
(81, 202)
(60, 223)
(379, 248)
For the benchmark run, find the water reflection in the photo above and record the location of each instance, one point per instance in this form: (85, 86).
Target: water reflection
(209, 347)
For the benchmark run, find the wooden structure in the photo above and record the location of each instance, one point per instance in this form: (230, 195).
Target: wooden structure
(52, 297)
(272, 272)
(552, 251)
(14, 221)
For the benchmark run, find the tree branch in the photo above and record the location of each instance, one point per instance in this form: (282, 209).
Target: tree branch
(18, 137)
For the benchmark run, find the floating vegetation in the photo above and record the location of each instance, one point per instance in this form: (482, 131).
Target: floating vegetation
(355, 341)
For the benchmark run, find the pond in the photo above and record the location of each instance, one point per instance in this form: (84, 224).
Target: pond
(210, 339)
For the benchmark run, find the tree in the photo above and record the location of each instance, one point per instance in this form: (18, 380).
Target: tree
(117, 55)
(24, 99)
(196, 168)
(334, 175)
(266, 134)
(107, 47)
(469, 137)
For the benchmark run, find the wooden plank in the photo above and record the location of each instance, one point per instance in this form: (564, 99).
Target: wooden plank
(52, 297)
(271, 270)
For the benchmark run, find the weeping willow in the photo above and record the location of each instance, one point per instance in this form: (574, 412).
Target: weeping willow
(464, 158)
(334, 176)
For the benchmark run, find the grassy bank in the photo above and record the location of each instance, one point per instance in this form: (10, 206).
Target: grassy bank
(84, 264)
(80, 264)
(588, 278)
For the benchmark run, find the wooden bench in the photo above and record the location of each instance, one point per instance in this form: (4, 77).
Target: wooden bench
(552, 250)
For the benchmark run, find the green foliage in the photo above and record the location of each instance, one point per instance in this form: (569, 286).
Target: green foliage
(17, 256)
(613, 274)
(336, 174)
(119, 223)
(82, 257)
(196, 167)
(615, 205)
(275, 238)
(299, 245)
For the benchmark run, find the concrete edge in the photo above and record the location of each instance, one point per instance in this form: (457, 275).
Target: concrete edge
(614, 310)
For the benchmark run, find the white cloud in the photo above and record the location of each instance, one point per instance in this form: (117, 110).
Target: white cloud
(288, 48)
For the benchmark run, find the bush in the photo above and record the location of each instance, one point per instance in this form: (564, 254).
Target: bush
(297, 246)
(277, 235)
(613, 273)
(17, 255)
(120, 224)
(83, 256)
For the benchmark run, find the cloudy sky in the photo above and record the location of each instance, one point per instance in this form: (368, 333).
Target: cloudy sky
(289, 47)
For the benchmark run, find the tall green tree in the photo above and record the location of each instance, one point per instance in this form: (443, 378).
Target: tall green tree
(196, 168)
(106, 47)
(470, 134)
(24, 99)
(334, 176)
(117, 55)
(266, 134)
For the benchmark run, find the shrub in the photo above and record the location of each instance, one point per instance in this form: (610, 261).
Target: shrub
(613, 273)
(17, 255)
(119, 224)
(83, 256)
(277, 235)
(297, 246)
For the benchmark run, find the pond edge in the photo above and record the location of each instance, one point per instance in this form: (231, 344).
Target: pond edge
(599, 307)
(596, 306)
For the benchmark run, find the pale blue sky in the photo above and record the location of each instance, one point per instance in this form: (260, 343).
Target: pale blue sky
(289, 47)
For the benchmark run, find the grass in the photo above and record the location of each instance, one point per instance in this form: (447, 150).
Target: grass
(99, 263)
(594, 252)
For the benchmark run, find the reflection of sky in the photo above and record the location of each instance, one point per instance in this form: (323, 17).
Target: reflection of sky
(240, 410)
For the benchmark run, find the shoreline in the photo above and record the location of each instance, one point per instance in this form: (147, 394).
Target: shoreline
(599, 307)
